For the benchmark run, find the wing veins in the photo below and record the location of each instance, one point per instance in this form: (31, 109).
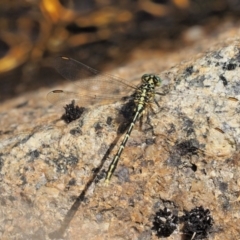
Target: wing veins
(73, 70)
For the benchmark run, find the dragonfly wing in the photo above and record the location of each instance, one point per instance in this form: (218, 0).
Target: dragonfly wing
(61, 97)
(92, 80)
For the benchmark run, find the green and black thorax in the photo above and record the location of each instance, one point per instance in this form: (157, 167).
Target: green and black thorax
(146, 91)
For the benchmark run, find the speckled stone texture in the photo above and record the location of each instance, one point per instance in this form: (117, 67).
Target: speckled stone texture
(185, 155)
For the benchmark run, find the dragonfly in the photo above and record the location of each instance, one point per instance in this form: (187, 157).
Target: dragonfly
(93, 84)
(98, 83)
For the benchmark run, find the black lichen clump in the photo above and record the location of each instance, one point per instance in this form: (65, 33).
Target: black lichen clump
(165, 223)
(72, 112)
(229, 66)
(189, 71)
(109, 120)
(224, 80)
(197, 223)
(186, 147)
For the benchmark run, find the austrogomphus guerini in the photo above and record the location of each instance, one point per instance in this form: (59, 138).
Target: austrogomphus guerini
(143, 95)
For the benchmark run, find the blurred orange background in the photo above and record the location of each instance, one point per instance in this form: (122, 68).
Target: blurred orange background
(100, 33)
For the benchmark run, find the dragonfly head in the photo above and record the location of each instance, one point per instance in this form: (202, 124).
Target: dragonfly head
(151, 78)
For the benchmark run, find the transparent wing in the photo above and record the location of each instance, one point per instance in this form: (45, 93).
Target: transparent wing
(94, 86)
(61, 97)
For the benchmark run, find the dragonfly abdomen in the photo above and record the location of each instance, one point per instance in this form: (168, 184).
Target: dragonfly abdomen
(143, 96)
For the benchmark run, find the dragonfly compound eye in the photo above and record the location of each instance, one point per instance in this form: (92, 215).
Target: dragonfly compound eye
(146, 77)
(157, 80)
(151, 78)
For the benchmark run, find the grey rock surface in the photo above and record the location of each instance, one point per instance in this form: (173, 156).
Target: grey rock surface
(186, 154)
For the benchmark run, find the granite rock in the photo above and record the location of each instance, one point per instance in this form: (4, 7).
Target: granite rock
(185, 155)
